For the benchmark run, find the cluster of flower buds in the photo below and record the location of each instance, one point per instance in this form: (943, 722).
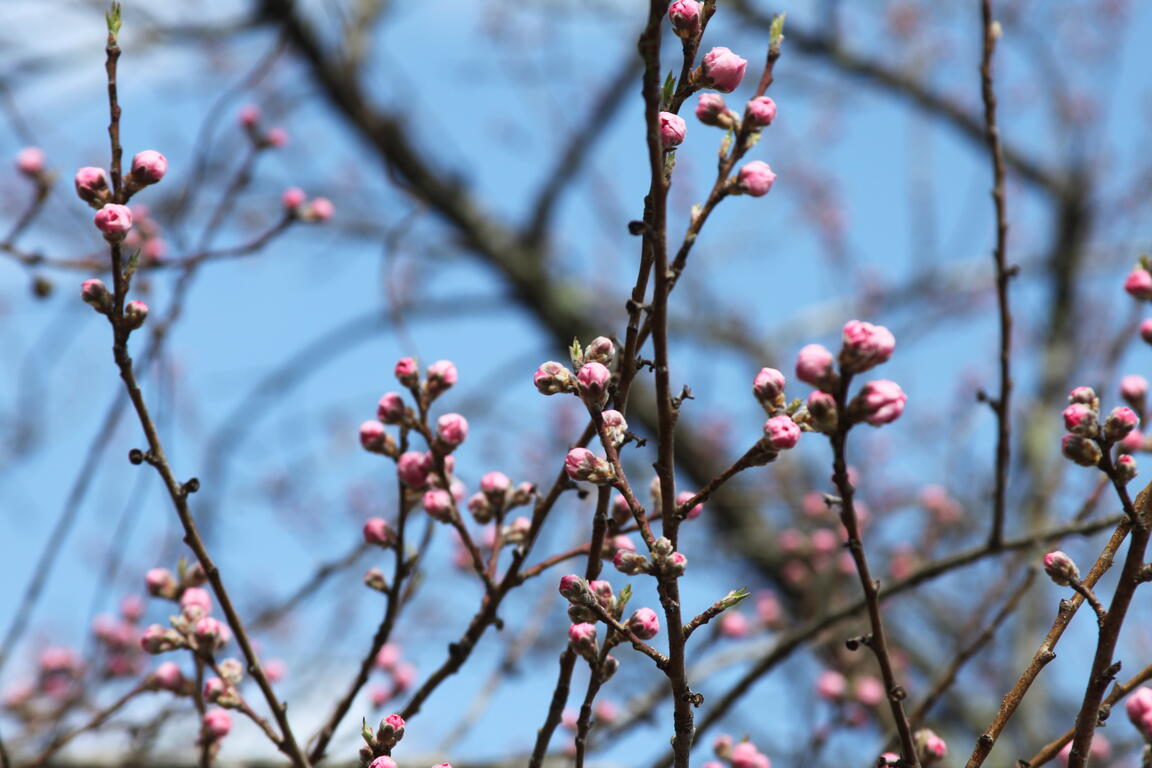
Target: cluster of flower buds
(864, 346)
(262, 139)
(224, 691)
(401, 675)
(298, 206)
(1088, 438)
(497, 495)
(193, 628)
(383, 741)
(593, 376)
(119, 636)
(742, 754)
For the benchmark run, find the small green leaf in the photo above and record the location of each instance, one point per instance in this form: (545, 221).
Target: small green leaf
(733, 598)
(776, 32)
(112, 17)
(669, 86)
(622, 600)
(576, 352)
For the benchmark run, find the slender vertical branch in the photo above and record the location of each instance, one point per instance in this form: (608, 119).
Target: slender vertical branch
(1002, 404)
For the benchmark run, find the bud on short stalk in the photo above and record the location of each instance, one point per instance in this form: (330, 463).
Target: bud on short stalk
(1060, 568)
(1082, 450)
(553, 378)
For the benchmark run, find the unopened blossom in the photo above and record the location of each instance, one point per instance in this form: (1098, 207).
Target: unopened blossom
(390, 409)
(822, 413)
(768, 386)
(318, 209)
(30, 161)
(168, 677)
(831, 685)
(210, 633)
(217, 723)
(575, 589)
(582, 636)
(630, 563)
(815, 365)
(672, 129)
(615, 426)
(413, 468)
(593, 379)
(1082, 450)
(723, 70)
(452, 428)
(92, 186)
(160, 582)
(746, 755)
(196, 602)
(1085, 395)
(734, 624)
(495, 484)
(135, 313)
(881, 402)
(292, 198)
(755, 178)
(685, 17)
(1138, 707)
(1146, 330)
(761, 111)
(96, 295)
(694, 511)
(438, 504)
(644, 623)
(600, 350)
(1080, 419)
(277, 137)
(1120, 422)
(582, 464)
(711, 110)
(441, 375)
(148, 167)
(274, 670)
(378, 532)
(407, 372)
(114, 221)
(1133, 442)
(1133, 387)
(1060, 568)
(781, 432)
(869, 691)
(249, 115)
(1125, 467)
(865, 346)
(553, 378)
(383, 762)
(375, 439)
(931, 748)
(1138, 284)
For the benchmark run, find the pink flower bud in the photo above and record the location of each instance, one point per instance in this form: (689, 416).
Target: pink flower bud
(319, 209)
(683, 498)
(407, 372)
(210, 633)
(575, 589)
(582, 464)
(931, 747)
(1081, 450)
(745, 755)
(92, 186)
(1125, 468)
(761, 111)
(393, 725)
(823, 415)
(292, 198)
(375, 439)
(413, 468)
(274, 670)
(676, 564)
(644, 623)
(1133, 442)
(452, 428)
(606, 711)
(768, 386)
(214, 688)
(277, 137)
(615, 426)
(441, 375)
(782, 432)
(390, 409)
(1138, 284)
(1146, 331)
(685, 18)
(1133, 387)
(382, 762)
(814, 365)
(114, 221)
(168, 677)
(767, 608)
(755, 178)
(869, 691)
(30, 161)
(217, 723)
(600, 350)
(389, 656)
(481, 508)
(1080, 419)
(1138, 707)
(672, 129)
(377, 531)
(249, 115)
(96, 294)
(723, 69)
(1060, 568)
(734, 624)
(160, 582)
(196, 600)
(495, 484)
(553, 378)
(132, 608)
(882, 402)
(711, 110)
(831, 685)
(582, 636)
(148, 167)
(865, 346)
(135, 313)
(630, 563)
(1120, 422)
(593, 379)
(438, 504)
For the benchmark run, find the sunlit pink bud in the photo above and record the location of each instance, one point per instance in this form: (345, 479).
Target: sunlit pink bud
(92, 186)
(822, 413)
(168, 677)
(768, 386)
(1133, 388)
(931, 747)
(865, 346)
(815, 366)
(135, 313)
(734, 624)
(761, 111)
(1085, 395)
(1146, 331)
(382, 762)
(1138, 707)
(214, 688)
(552, 378)
(723, 69)
(1132, 443)
(630, 563)
(602, 590)
(438, 504)
(495, 484)
(114, 221)
(160, 582)
(375, 439)
(217, 723)
(318, 209)
(277, 137)
(606, 711)
(676, 564)
(96, 294)
(767, 608)
(1138, 284)
(890, 759)
(575, 589)
(148, 167)
(132, 608)
(593, 379)
(685, 18)
(683, 498)
(745, 755)
(672, 129)
(825, 541)
(755, 178)
(390, 409)
(1060, 568)
(377, 531)
(158, 639)
(782, 432)
(196, 600)
(452, 429)
(600, 350)
(831, 685)
(644, 623)
(1125, 468)
(413, 468)
(292, 198)
(1080, 419)
(441, 376)
(407, 372)
(881, 401)
(391, 730)
(583, 638)
(30, 161)
(582, 464)
(722, 746)
(711, 110)
(615, 426)
(1082, 450)
(210, 633)
(274, 670)
(1120, 422)
(869, 691)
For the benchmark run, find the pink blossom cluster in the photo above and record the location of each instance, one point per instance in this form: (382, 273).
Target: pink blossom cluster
(1089, 437)
(742, 754)
(400, 675)
(864, 346)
